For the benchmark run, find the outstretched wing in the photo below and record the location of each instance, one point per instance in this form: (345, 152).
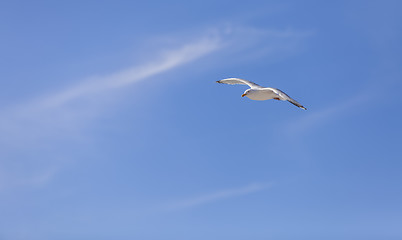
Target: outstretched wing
(239, 81)
(283, 96)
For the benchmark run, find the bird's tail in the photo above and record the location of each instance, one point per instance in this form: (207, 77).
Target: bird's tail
(294, 102)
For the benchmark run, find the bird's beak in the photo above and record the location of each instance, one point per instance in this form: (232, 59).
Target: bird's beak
(243, 94)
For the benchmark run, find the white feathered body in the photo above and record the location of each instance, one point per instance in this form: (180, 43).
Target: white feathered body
(261, 94)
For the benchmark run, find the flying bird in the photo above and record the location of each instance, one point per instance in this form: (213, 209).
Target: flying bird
(256, 92)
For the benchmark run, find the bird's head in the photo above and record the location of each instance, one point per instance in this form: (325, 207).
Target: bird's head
(246, 92)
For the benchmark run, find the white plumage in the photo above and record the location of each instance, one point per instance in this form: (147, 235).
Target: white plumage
(256, 92)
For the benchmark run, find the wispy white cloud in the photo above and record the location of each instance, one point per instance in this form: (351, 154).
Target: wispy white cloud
(219, 196)
(54, 112)
(168, 59)
(49, 118)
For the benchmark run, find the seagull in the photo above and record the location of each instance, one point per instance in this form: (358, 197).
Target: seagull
(256, 92)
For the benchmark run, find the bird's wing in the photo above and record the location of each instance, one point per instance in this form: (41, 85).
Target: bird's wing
(239, 81)
(283, 96)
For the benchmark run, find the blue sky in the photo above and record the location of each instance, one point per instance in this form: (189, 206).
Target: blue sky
(112, 125)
